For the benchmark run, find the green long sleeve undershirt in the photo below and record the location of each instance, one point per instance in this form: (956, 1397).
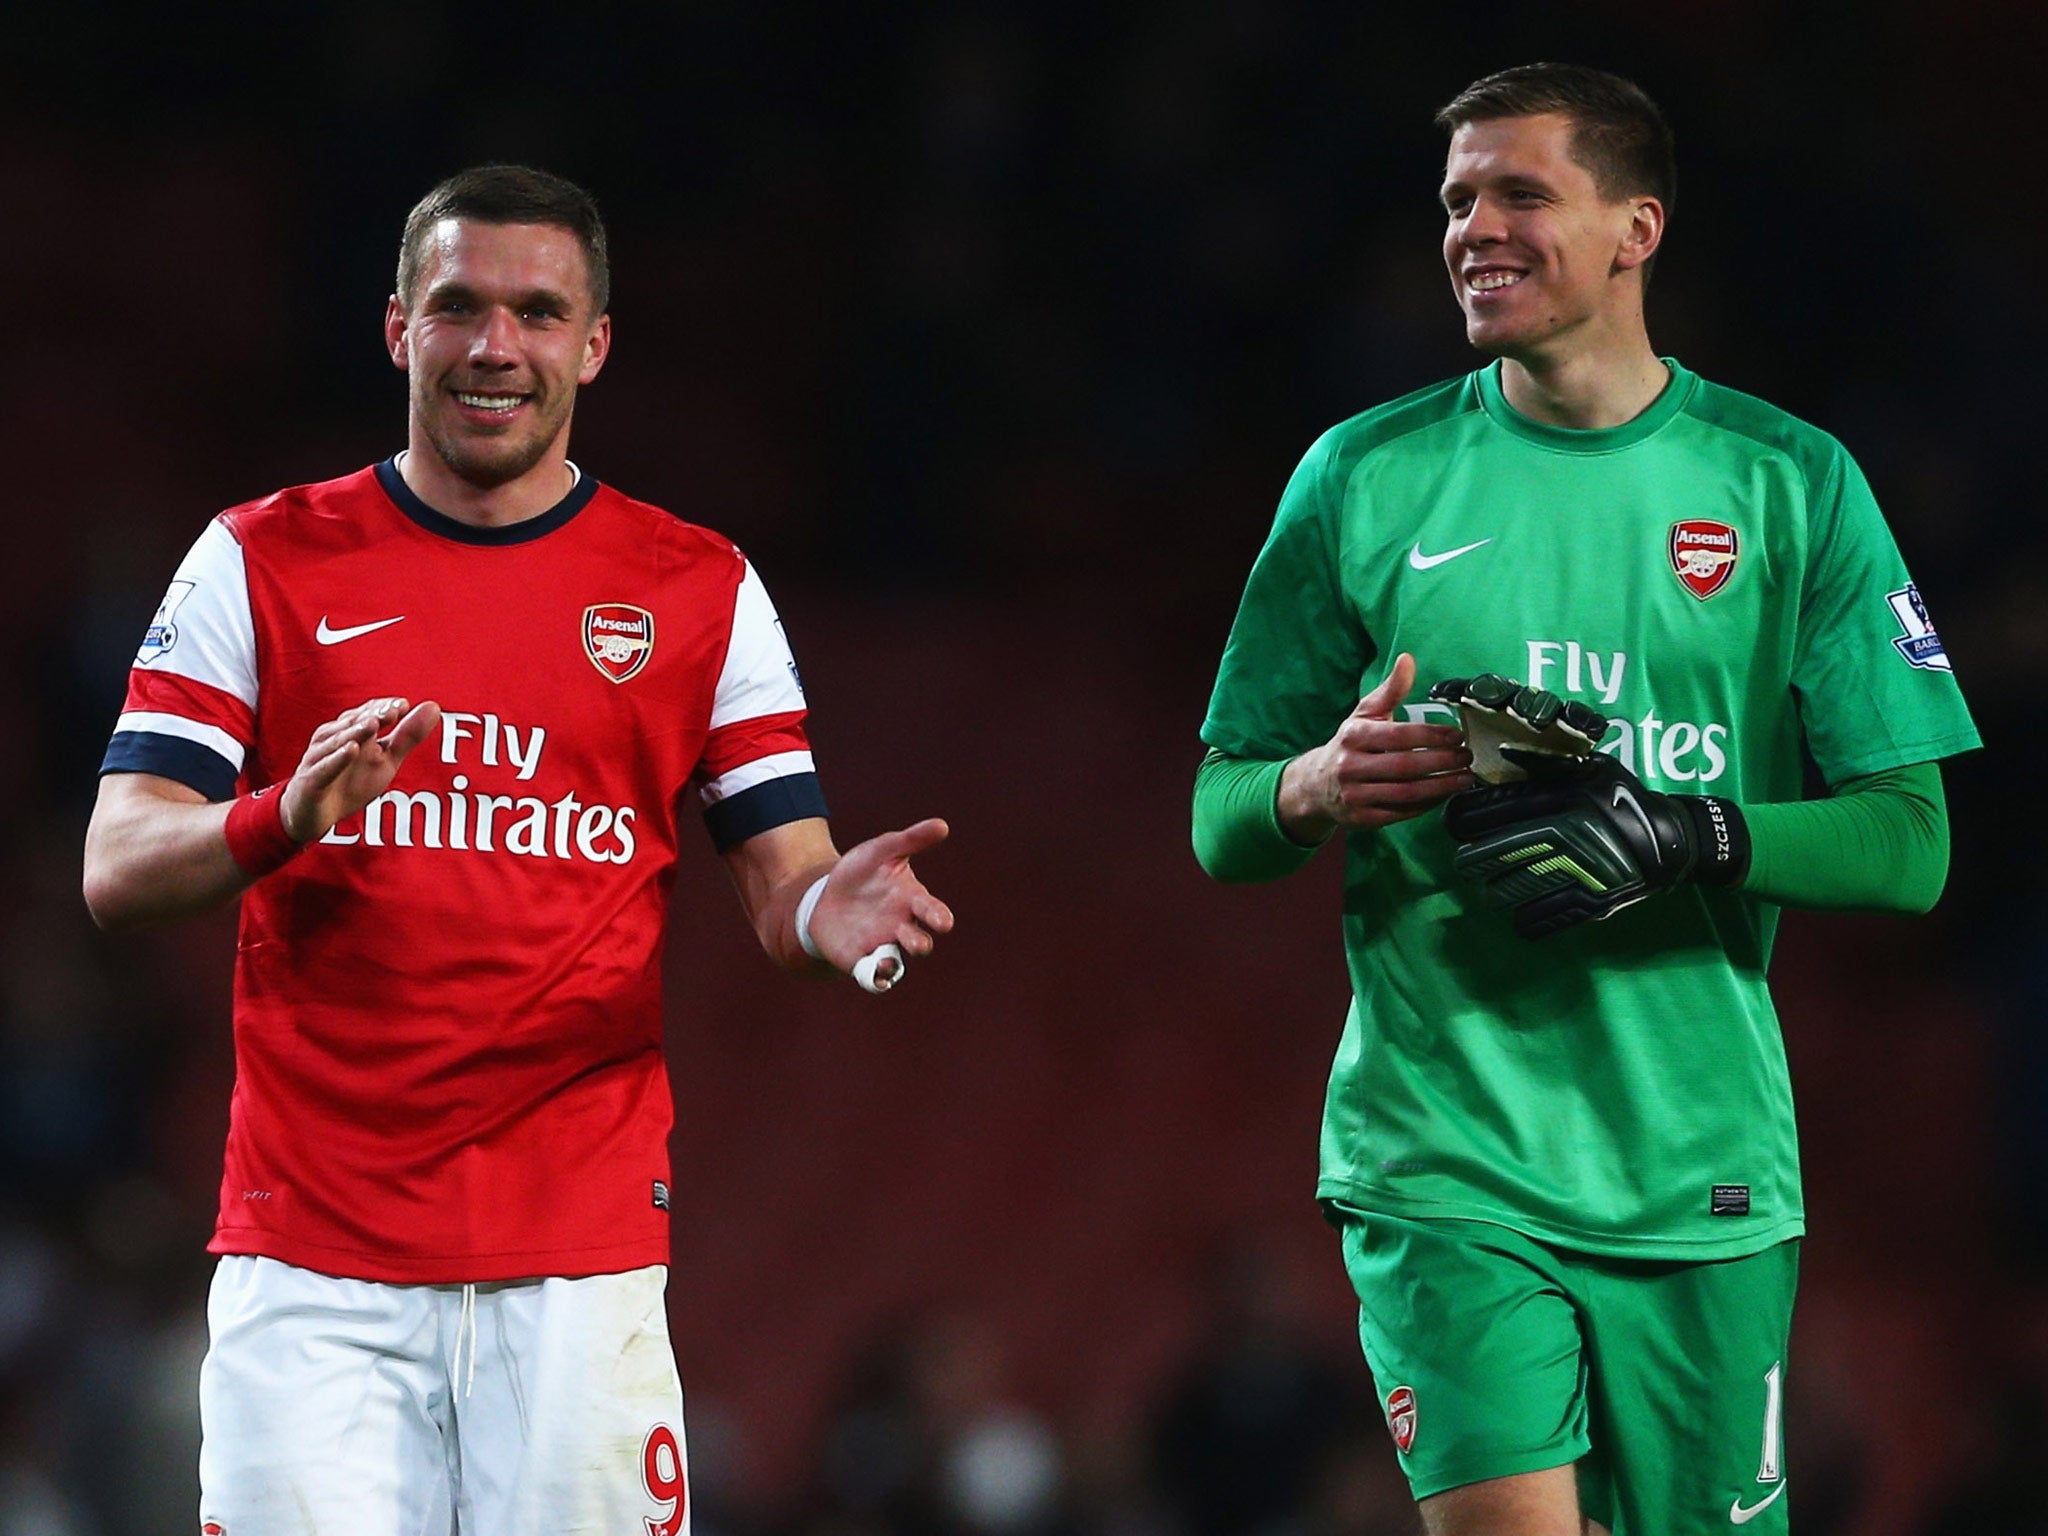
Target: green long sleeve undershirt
(1877, 843)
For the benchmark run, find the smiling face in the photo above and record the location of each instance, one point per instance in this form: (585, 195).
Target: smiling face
(499, 334)
(1540, 260)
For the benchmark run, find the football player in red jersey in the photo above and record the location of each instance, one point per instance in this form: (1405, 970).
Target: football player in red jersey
(444, 1210)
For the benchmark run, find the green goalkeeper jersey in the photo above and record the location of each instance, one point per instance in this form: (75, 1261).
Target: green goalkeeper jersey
(1715, 577)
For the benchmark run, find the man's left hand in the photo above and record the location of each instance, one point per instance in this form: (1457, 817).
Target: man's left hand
(1581, 839)
(872, 899)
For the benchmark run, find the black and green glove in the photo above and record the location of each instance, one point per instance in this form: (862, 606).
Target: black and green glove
(1581, 838)
(1506, 725)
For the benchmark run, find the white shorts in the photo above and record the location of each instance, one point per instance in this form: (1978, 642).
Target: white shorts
(514, 1408)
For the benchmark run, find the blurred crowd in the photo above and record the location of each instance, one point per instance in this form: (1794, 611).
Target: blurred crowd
(991, 331)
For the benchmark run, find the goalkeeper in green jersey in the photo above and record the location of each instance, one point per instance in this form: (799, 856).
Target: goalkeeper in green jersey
(1558, 1141)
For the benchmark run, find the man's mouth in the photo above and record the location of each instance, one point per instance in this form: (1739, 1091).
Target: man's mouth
(496, 404)
(1492, 280)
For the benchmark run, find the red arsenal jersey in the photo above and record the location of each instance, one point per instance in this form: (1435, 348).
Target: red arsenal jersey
(448, 1010)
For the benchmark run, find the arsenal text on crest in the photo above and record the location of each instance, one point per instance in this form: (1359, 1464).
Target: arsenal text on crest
(618, 638)
(1703, 554)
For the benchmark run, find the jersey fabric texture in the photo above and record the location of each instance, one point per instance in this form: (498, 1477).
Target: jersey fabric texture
(1716, 578)
(448, 1024)
(1664, 1382)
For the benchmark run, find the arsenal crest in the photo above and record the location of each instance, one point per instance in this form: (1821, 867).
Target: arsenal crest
(618, 638)
(1703, 555)
(1401, 1417)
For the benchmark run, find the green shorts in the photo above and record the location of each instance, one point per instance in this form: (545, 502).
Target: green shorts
(1496, 1354)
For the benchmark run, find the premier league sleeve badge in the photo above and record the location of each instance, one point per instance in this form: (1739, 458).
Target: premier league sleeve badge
(1919, 644)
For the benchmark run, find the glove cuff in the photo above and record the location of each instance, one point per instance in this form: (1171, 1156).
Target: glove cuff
(1720, 839)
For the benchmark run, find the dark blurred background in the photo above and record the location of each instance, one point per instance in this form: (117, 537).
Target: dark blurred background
(991, 331)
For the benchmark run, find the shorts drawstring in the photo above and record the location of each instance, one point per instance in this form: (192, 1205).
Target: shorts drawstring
(465, 1328)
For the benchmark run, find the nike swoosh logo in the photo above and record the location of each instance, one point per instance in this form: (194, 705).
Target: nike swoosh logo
(1423, 562)
(1623, 797)
(1741, 1514)
(328, 636)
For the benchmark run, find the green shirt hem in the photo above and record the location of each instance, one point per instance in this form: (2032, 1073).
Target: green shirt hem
(1905, 754)
(1366, 1201)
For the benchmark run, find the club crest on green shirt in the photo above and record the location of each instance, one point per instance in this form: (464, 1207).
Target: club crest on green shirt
(1703, 554)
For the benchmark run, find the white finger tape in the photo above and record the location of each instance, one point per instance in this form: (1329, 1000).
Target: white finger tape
(867, 965)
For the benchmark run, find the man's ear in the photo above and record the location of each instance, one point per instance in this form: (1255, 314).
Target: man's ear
(1645, 233)
(394, 332)
(596, 349)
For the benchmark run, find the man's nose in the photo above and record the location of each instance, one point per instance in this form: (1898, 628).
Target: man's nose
(1483, 225)
(496, 341)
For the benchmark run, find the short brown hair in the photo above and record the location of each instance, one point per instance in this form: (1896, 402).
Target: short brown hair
(1618, 133)
(508, 194)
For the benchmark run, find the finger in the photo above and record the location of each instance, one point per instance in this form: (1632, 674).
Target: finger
(1393, 767)
(1393, 688)
(879, 969)
(914, 940)
(932, 912)
(409, 732)
(1363, 735)
(330, 735)
(372, 711)
(1406, 792)
(360, 721)
(1490, 690)
(912, 840)
(1537, 706)
(323, 772)
(1410, 791)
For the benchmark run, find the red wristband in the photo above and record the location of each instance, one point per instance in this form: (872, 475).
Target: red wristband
(256, 834)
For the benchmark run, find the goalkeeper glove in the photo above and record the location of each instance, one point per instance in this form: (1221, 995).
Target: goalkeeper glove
(1506, 724)
(1580, 840)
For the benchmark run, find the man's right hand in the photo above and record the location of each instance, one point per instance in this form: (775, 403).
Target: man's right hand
(1375, 770)
(155, 848)
(350, 761)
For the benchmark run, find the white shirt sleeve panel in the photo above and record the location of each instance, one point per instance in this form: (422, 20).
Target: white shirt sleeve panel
(212, 737)
(776, 765)
(204, 629)
(760, 675)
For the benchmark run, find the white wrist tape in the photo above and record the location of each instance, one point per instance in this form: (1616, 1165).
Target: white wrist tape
(804, 909)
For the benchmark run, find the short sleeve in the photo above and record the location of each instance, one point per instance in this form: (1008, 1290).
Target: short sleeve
(756, 771)
(190, 712)
(1291, 667)
(1874, 685)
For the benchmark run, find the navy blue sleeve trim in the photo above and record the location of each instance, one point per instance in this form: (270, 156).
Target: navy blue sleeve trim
(770, 804)
(172, 757)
